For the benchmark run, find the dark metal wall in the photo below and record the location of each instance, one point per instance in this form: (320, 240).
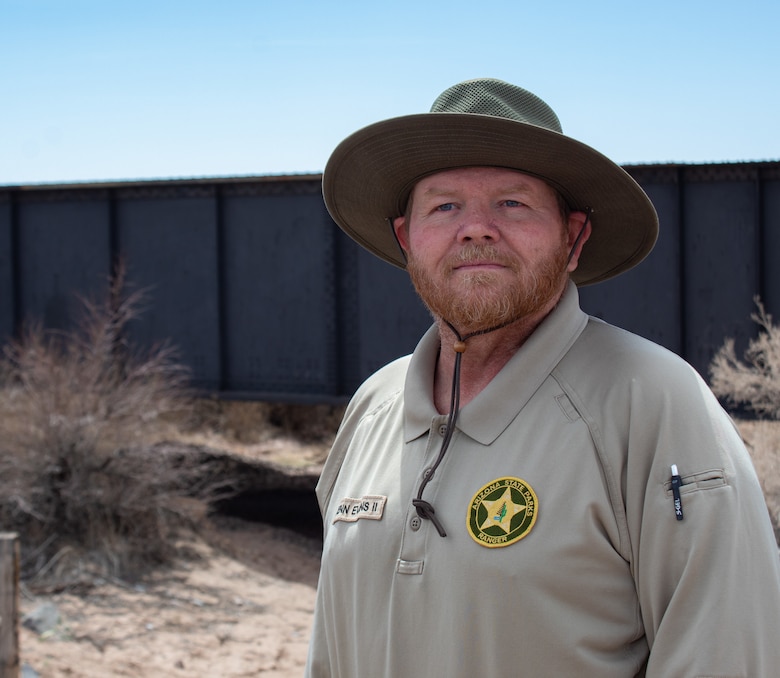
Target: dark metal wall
(719, 241)
(266, 298)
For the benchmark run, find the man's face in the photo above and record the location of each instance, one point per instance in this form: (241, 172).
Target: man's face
(486, 246)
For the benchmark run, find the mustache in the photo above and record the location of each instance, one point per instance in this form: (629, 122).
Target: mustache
(480, 253)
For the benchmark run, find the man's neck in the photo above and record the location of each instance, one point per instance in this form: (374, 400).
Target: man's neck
(484, 357)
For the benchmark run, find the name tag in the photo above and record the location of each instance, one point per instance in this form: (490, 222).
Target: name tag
(369, 507)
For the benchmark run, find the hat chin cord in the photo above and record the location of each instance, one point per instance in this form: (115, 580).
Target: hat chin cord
(424, 508)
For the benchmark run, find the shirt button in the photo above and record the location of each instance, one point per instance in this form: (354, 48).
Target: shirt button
(442, 430)
(415, 523)
(427, 473)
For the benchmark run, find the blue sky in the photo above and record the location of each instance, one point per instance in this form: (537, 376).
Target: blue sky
(114, 90)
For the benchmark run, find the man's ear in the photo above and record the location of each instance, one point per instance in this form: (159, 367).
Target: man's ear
(401, 233)
(579, 230)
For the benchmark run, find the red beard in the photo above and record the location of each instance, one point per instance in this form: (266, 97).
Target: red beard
(485, 299)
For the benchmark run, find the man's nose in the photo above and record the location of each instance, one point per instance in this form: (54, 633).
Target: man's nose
(477, 224)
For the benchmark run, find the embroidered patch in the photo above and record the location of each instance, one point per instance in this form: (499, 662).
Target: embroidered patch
(369, 507)
(502, 512)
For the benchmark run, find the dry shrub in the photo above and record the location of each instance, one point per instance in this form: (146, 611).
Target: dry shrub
(762, 438)
(78, 478)
(754, 383)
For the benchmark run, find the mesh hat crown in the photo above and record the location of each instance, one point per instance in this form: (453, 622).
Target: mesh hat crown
(486, 123)
(499, 99)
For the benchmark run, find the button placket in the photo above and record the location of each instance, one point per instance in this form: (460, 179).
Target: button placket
(413, 549)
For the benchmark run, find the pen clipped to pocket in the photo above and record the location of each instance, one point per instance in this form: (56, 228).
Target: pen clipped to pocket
(676, 485)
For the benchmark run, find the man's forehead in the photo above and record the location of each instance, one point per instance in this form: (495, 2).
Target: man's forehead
(446, 180)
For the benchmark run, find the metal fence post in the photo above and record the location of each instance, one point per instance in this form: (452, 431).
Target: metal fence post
(9, 605)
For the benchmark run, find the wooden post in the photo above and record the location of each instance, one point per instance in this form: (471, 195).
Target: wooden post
(9, 605)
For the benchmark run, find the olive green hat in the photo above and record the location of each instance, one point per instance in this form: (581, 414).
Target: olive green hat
(485, 122)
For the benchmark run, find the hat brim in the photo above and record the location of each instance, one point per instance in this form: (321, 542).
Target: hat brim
(368, 179)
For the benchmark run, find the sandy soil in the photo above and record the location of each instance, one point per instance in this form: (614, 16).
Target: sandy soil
(238, 602)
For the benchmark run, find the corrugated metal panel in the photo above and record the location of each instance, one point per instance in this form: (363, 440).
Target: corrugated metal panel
(388, 319)
(721, 273)
(770, 238)
(279, 293)
(167, 238)
(62, 252)
(647, 299)
(7, 303)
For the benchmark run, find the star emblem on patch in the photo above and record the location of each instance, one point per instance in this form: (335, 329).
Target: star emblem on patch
(501, 511)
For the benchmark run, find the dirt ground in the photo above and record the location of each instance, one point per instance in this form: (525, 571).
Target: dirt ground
(238, 601)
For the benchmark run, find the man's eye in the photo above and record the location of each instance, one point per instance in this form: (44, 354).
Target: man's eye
(446, 207)
(512, 203)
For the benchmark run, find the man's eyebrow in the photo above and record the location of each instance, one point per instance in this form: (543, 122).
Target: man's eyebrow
(436, 191)
(516, 186)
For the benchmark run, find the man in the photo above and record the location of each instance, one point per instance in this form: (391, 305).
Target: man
(533, 492)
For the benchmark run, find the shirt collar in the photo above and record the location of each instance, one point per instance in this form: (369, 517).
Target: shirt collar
(485, 417)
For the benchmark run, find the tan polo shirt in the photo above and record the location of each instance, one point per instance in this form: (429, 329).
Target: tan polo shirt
(563, 555)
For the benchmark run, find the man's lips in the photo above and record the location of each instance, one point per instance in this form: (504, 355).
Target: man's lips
(478, 264)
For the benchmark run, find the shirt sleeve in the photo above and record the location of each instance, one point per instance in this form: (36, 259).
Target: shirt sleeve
(709, 583)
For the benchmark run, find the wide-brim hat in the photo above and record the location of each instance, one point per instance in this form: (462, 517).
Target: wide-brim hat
(370, 175)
